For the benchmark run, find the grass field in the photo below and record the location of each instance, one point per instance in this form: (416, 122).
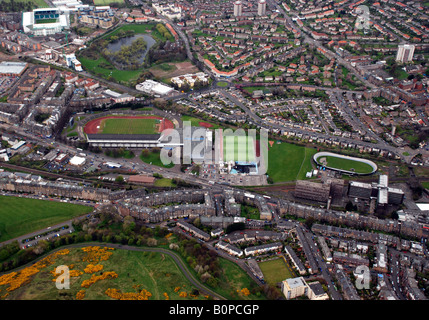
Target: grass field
(154, 157)
(19, 216)
(155, 272)
(276, 271)
(129, 126)
(195, 122)
(289, 162)
(346, 164)
(136, 271)
(34, 3)
(233, 280)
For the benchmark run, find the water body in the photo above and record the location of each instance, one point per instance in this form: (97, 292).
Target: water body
(116, 46)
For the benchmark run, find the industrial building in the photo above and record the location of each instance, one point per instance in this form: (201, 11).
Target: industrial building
(312, 191)
(380, 191)
(154, 88)
(12, 69)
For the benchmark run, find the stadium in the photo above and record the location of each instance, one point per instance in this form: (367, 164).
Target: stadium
(45, 21)
(344, 164)
(128, 131)
(112, 130)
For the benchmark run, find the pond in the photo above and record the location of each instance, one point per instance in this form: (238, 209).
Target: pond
(117, 45)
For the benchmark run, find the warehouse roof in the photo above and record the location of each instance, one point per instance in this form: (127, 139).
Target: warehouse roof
(8, 67)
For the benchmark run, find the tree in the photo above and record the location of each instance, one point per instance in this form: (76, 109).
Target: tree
(128, 225)
(119, 179)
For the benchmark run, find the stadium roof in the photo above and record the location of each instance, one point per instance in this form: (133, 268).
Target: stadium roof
(131, 137)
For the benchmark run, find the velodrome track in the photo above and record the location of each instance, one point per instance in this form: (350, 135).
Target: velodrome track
(330, 154)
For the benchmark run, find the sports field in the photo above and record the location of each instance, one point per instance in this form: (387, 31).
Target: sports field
(19, 216)
(127, 125)
(345, 164)
(241, 148)
(289, 162)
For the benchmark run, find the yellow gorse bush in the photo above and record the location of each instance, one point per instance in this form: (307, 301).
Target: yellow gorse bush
(96, 254)
(94, 278)
(90, 268)
(80, 295)
(17, 279)
(118, 295)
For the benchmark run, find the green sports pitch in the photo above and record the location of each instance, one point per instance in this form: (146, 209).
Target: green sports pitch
(129, 126)
(239, 148)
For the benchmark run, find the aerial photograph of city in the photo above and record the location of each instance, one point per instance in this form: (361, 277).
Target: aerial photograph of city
(214, 157)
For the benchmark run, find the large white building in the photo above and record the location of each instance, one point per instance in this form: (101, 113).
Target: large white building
(405, 53)
(154, 88)
(296, 287)
(238, 8)
(45, 21)
(262, 7)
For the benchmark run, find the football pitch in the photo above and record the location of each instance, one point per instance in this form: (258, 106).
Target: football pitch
(129, 126)
(239, 148)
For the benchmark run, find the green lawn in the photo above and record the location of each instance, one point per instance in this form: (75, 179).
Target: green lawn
(222, 84)
(289, 162)
(164, 182)
(275, 271)
(93, 66)
(154, 157)
(195, 122)
(129, 126)
(347, 164)
(19, 216)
